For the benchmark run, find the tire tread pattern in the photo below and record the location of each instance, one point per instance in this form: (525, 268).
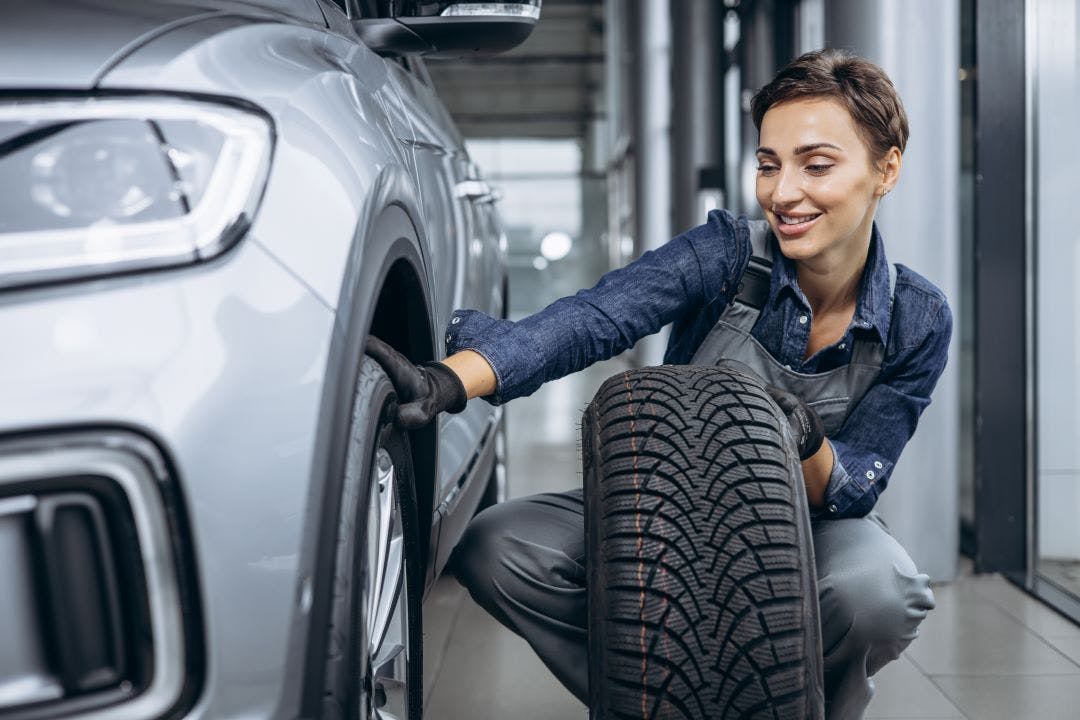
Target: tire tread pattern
(702, 589)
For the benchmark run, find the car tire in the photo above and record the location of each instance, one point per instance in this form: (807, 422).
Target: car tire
(374, 664)
(702, 593)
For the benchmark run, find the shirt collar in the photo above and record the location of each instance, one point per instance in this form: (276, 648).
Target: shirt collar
(873, 303)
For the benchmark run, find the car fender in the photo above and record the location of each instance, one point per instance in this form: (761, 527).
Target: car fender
(338, 121)
(386, 235)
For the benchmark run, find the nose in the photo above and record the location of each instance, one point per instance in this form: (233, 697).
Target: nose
(787, 189)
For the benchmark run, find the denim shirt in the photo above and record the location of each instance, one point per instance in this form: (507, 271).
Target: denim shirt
(688, 282)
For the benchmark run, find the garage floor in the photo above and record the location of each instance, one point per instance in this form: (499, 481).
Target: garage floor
(988, 651)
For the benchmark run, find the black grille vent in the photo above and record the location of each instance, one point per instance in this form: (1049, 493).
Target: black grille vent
(83, 625)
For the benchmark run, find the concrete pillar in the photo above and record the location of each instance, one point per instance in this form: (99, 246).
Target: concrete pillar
(651, 41)
(697, 118)
(618, 71)
(809, 26)
(757, 65)
(593, 249)
(917, 42)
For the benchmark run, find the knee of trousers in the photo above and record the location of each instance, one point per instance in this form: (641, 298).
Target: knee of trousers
(874, 610)
(494, 563)
(477, 559)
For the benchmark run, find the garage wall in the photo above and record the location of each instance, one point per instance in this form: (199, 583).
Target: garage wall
(920, 222)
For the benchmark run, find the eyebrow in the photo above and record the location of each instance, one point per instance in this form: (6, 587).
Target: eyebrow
(801, 150)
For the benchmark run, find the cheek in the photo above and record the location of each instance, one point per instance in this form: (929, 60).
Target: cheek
(763, 189)
(840, 193)
(829, 194)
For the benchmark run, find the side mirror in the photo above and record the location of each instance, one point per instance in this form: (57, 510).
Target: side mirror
(451, 29)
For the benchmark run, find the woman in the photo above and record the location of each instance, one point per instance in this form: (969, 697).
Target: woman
(851, 346)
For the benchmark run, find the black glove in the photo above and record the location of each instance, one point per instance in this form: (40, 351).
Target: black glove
(423, 390)
(805, 424)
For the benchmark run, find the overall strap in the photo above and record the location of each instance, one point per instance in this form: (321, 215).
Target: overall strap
(754, 284)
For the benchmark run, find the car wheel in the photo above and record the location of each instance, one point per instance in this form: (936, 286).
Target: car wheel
(374, 659)
(702, 593)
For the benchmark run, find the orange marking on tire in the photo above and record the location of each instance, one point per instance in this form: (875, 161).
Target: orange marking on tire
(641, 559)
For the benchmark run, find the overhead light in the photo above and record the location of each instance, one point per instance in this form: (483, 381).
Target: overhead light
(556, 246)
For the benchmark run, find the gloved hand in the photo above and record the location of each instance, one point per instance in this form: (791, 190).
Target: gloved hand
(805, 424)
(423, 390)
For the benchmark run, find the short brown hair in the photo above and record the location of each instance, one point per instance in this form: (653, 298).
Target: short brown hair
(858, 84)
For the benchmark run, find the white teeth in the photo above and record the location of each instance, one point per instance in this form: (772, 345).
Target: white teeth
(787, 220)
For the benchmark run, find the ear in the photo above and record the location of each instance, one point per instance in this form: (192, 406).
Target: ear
(890, 171)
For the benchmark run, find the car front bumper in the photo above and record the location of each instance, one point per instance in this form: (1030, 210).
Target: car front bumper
(222, 366)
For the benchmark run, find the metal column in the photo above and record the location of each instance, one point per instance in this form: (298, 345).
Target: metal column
(918, 44)
(1002, 373)
(651, 41)
(697, 118)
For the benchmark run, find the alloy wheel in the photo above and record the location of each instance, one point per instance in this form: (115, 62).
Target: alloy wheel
(386, 605)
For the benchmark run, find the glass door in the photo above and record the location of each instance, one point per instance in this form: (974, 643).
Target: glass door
(1054, 64)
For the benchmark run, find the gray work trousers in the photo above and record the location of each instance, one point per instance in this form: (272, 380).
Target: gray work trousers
(524, 562)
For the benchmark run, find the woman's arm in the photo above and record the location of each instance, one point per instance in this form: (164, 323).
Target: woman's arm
(868, 445)
(694, 268)
(474, 372)
(816, 471)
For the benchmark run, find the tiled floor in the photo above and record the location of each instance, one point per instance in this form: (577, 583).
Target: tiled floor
(988, 652)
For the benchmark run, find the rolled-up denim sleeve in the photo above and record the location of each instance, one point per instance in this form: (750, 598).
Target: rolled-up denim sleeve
(867, 447)
(600, 322)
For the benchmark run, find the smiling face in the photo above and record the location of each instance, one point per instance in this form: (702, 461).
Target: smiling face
(817, 182)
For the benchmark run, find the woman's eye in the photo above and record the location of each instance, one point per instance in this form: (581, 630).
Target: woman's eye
(766, 169)
(818, 169)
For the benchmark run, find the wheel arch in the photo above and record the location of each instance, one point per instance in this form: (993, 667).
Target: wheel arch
(400, 319)
(386, 277)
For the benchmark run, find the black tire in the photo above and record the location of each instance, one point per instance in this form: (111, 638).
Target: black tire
(350, 689)
(702, 589)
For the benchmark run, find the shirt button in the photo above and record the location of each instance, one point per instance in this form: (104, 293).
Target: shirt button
(788, 367)
(842, 345)
(447, 337)
(802, 319)
(455, 320)
(877, 464)
(870, 474)
(832, 508)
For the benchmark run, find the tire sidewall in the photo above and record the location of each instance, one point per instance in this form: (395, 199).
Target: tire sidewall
(370, 427)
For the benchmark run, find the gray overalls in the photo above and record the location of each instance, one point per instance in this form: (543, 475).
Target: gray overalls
(524, 560)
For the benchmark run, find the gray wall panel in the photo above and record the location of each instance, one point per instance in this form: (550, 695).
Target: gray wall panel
(918, 43)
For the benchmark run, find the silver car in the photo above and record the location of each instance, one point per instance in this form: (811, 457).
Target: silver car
(205, 209)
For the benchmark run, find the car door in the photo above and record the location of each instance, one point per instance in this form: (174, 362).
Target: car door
(483, 257)
(458, 241)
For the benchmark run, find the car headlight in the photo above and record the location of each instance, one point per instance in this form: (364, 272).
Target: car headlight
(101, 185)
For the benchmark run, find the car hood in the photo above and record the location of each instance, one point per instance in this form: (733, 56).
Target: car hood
(71, 44)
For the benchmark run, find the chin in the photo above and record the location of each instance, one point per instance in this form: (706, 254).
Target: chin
(800, 248)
